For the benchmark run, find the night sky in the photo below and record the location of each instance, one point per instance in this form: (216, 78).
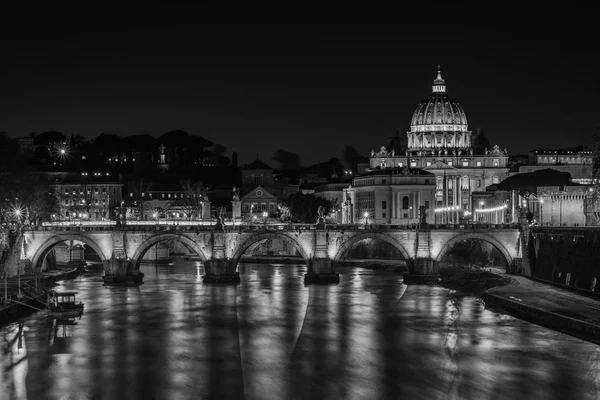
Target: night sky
(309, 89)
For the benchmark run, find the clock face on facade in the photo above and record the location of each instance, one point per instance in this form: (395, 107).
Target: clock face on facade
(259, 193)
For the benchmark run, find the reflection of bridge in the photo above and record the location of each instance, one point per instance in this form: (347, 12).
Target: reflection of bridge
(121, 248)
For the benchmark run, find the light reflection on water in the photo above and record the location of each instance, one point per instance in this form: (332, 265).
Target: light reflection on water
(272, 337)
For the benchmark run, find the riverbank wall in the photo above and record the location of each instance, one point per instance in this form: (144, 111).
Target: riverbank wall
(569, 257)
(548, 319)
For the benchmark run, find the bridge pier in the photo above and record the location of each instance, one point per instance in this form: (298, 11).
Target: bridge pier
(321, 270)
(120, 271)
(424, 266)
(219, 270)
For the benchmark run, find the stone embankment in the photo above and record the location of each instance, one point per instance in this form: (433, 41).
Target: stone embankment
(549, 306)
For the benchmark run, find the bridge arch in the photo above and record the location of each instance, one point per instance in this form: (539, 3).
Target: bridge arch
(476, 236)
(42, 251)
(162, 237)
(371, 235)
(242, 247)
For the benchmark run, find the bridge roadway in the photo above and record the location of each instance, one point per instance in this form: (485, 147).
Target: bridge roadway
(122, 247)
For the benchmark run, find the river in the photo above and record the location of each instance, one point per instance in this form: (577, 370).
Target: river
(272, 337)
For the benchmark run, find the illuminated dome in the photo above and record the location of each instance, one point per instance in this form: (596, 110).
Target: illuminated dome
(439, 122)
(439, 113)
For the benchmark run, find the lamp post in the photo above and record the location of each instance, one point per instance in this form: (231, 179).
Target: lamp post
(366, 215)
(18, 215)
(541, 212)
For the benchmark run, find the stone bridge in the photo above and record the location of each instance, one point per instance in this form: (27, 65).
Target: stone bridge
(121, 248)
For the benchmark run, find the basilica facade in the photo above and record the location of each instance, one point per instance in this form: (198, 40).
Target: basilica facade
(439, 142)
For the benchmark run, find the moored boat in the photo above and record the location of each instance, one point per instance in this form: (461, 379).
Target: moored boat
(64, 305)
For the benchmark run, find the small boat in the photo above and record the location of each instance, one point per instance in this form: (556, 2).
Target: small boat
(63, 305)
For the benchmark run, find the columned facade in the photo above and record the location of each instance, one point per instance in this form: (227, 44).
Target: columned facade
(439, 142)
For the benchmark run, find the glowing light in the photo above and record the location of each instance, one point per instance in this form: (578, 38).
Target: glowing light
(265, 214)
(366, 214)
(493, 209)
(541, 201)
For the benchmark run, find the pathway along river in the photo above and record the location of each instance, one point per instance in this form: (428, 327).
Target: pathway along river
(271, 337)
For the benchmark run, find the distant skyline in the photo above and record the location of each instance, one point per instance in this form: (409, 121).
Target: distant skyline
(307, 89)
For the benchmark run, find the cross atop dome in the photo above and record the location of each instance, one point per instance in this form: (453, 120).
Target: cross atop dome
(438, 83)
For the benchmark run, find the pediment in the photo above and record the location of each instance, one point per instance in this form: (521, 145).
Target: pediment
(258, 193)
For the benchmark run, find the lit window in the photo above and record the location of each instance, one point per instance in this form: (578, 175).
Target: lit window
(496, 162)
(465, 163)
(450, 163)
(479, 163)
(413, 163)
(428, 163)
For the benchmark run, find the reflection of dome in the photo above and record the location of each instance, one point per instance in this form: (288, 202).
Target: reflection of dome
(439, 113)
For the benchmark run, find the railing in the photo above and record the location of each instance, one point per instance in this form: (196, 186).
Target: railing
(238, 226)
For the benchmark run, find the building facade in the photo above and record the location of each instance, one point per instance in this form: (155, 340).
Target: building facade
(578, 162)
(439, 141)
(389, 196)
(92, 195)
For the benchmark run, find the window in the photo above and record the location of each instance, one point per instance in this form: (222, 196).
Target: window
(400, 164)
(263, 206)
(495, 179)
(383, 205)
(383, 215)
(479, 163)
(67, 202)
(428, 163)
(246, 207)
(271, 207)
(383, 181)
(450, 163)
(465, 163)
(413, 163)
(427, 181)
(405, 202)
(405, 215)
(496, 162)
(478, 182)
(66, 191)
(427, 204)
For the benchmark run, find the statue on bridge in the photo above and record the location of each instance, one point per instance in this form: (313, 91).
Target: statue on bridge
(236, 193)
(321, 216)
(422, 217)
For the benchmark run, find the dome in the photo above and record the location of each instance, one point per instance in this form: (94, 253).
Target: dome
(439, 113)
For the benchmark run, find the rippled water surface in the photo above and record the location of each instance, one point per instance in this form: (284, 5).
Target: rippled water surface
(272, 337)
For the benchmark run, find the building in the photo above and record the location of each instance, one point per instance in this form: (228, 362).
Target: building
(439, 141)
(88, 195)
(258, 204)
(576, 161)
(389, 196)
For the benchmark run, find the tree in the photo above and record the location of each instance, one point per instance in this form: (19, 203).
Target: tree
(139, 188)
(303, 207)
(194, 197)
(287, 160)
(48, 138)
(26, 197)
(351, 157)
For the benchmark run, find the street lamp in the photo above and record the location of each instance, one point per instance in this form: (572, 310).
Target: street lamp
(366, 215)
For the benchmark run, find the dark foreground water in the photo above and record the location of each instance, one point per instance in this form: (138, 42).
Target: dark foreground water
(271, 337)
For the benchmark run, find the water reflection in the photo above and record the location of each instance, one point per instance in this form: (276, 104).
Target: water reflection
(272, 337)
